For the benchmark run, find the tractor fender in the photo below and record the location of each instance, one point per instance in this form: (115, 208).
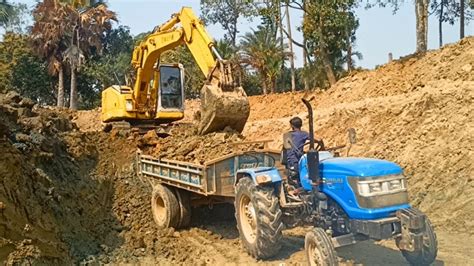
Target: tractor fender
(260, 175)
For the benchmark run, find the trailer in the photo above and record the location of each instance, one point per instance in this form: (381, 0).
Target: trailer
(178, 185)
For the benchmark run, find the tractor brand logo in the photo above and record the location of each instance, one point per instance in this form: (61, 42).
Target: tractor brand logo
(337, 180)
(250, 165)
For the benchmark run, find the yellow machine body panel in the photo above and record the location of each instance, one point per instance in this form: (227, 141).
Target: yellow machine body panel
(114, 109)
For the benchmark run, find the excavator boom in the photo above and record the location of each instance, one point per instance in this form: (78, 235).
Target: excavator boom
(223, 102)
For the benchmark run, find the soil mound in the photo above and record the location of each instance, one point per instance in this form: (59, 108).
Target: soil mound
(184, 144)
(57, 187)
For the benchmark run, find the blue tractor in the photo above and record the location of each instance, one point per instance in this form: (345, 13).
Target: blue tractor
(345, 199)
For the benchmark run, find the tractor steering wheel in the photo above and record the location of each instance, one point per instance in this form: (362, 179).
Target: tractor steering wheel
(319, 144)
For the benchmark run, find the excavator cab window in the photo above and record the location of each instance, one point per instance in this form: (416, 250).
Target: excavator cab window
(171, 87)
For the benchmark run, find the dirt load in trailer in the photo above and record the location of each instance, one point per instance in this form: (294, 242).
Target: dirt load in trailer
(178, 185)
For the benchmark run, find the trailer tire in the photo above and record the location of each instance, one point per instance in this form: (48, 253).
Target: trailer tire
(164, 207)
(259, 219)
(428, 254)
(319, 248)
(184, 208)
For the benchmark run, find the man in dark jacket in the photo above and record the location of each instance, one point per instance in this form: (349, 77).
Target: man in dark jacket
(294, 142)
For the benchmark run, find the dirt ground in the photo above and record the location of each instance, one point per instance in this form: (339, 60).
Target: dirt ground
(68, 192)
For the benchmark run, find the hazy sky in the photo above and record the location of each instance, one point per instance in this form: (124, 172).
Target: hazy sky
(380, 31)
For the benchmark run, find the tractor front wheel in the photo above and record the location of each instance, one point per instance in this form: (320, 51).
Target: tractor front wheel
(427, 254)
(319, 248)
(259, 222)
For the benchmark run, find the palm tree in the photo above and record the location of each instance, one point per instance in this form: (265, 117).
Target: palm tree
(68, 37)
(261, 50)
(48, 36)
(86, 40)
(5, 12)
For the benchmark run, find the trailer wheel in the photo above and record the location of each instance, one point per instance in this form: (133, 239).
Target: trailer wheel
(164, 207)
(428, 254)
(259, 219)
(319, 248)
(184, 208)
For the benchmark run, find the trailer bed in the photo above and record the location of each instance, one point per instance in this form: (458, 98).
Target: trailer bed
(213, 178)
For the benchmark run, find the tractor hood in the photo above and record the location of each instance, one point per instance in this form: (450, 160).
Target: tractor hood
(358, 167)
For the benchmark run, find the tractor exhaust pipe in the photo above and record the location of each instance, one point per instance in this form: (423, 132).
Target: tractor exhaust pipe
(310, 122)
(312, 154)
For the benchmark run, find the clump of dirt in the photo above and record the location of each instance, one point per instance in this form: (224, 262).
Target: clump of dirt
(87, 120)
(184, 144)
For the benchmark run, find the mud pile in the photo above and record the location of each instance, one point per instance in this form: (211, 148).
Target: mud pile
(454, 62)
(418, 112)
(57, 186)
(184, 144)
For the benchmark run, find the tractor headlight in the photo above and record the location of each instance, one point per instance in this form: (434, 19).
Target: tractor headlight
(128, 105)
(381, 185)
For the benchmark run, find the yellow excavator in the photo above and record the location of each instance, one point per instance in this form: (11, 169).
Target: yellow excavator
(157, 96)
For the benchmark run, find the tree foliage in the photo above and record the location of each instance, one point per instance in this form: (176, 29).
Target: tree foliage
(6, 11)
(112, 67)
(13, 17)
(227, 14)
(21, 70)
(261, 51)
(329, 29)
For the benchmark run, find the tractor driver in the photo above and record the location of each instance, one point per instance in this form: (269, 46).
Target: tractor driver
(294, 142)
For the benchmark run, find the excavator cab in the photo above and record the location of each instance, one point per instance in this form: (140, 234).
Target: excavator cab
(171, 88)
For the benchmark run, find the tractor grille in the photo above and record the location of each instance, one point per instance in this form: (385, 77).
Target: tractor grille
(379, 191)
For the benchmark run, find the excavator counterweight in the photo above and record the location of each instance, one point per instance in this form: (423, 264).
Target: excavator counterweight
(157, 95)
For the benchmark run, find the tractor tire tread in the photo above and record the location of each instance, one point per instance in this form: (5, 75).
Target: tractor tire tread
(420, 258)
(184, 208)
(269, 224)
(324, 244)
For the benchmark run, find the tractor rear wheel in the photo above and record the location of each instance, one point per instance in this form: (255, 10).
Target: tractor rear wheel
(427, 255)
(164, 207)
(259, 219)
(319, 248)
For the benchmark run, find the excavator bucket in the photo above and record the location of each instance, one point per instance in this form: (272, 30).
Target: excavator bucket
(221, 108)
